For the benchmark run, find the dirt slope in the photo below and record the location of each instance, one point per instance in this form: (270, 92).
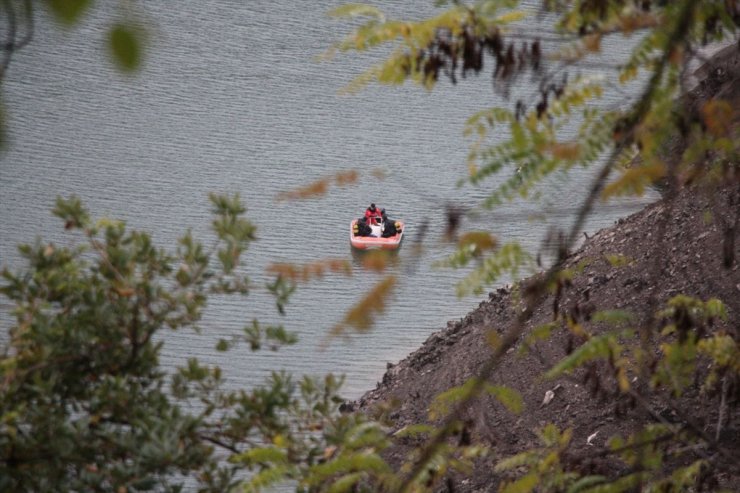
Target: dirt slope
(673, 246)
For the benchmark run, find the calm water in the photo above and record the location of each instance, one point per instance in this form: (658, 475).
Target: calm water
(232, 100)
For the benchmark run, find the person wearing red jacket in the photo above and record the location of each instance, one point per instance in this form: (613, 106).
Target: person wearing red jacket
(373, 214)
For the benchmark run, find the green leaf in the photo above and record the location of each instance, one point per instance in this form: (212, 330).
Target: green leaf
(540, 333)
(366, 461)
(522, 485)
(414, 430)
(72, 212)
(357, 10)
(507, 259)
(125, 46)
(261, 455)
(518, 460)
(597, 347)
(513, 16)
(722, 349)
(267, 478)
(509, 397)
(625, 483)
(715, 308)
(68, 11)
(619, 260)
(222, 345)
(346, 482)
(444, 402)
(613, 317)
(518, 137)
(585, 482)
(685, 477)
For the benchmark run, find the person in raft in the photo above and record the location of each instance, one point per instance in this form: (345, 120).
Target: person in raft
(361, 228)
(373, 214)
(391, 227)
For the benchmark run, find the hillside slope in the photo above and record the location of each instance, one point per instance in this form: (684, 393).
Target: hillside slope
(677, 245)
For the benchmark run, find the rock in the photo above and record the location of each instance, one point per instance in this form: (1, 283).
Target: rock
(591, 437)
(347, 407)
(549, 396)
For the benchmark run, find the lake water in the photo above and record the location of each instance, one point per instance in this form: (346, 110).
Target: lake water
(231, 99)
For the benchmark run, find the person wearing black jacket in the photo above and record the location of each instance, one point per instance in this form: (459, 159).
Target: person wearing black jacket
(390, 226)
(361, 228)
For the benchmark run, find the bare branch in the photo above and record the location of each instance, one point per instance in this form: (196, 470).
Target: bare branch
(11, 44)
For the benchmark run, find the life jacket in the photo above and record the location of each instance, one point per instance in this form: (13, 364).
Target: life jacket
(361, 229)
(392, 228)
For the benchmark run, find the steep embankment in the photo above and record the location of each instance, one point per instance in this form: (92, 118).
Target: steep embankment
(673, 246)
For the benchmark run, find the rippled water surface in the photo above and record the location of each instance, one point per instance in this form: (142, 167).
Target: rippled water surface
(231, 99)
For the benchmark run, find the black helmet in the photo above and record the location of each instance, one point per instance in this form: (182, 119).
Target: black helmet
(363, 219)
(372, 207)
(382, 211)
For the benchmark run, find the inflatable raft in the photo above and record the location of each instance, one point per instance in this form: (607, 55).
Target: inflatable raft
(376, 241)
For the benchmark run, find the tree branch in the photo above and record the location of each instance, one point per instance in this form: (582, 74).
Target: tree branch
(11, 45)
(539, 288)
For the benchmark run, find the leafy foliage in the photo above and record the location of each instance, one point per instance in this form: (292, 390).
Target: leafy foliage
(519, 148)
(84, 404)
(509, 258)
(545, 468)
(444, 402)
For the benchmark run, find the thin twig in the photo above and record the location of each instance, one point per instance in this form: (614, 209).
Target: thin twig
(11, 44)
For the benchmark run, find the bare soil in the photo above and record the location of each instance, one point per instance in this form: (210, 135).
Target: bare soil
(682, 244)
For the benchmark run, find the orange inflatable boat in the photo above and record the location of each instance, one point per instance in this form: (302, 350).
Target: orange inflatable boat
(376, 241)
